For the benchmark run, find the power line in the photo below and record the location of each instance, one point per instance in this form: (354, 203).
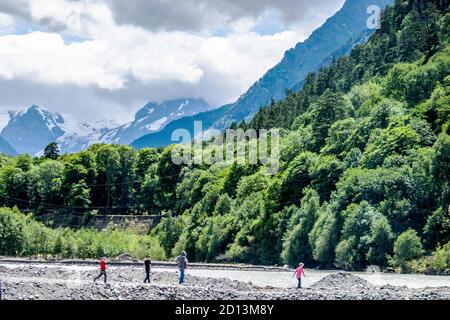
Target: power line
(124, 208)
(136, 206)
(75, 207)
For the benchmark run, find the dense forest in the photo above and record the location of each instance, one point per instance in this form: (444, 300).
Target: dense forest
(364, 174)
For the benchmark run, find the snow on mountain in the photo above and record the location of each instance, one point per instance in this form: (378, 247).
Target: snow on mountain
(153, 117)
(29, 131)
(79, 136)
(4, 120)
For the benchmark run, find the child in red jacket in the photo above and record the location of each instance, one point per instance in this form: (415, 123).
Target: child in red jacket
(102, 270)
(299, 274)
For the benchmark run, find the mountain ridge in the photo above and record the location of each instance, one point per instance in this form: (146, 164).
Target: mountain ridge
(293, 68)
(30, 130)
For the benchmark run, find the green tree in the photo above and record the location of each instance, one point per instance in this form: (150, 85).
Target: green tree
(169, 231)
(11, 232)
(407, 248)
(327, 110)
(395, 140)
(223, 205)
(51, 151)
(324, 236)
(126, 176)
(412, 37)
(356, 240)
(47, 183)
(149, 196)
(79, 196)
(380, 242)
(108, 163)
(325, 174)
(168, 174)
(296, 246)
(13, 186)
(437, 228)
(297, 177)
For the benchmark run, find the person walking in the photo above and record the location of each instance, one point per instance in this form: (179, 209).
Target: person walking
(299, 274)
(147, 265)
(182, 262)
(102, 270)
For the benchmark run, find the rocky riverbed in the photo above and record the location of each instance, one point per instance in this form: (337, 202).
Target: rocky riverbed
(75, 282)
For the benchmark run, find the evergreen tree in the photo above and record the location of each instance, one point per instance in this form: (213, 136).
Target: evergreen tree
(51, 151)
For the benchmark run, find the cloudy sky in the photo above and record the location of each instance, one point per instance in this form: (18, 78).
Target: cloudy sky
(96, 59)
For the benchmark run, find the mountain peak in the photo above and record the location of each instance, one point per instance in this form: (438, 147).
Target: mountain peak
(175, 105)
(334, 38)
(30, 130)
(154, 116)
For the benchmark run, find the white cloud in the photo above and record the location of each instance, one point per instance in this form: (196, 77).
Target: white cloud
(120, 63)
(44, 57)
(6, 24)
(109, 61)
(5, 20)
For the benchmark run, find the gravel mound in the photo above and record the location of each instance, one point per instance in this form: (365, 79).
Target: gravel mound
(342, 280)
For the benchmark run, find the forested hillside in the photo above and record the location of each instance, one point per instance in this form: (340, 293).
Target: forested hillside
(364, 176)
(335, 38)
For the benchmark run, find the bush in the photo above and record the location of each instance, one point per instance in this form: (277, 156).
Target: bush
(11, 232)
(21, 235)
(407, 248)
(441, 258)
(437, 263)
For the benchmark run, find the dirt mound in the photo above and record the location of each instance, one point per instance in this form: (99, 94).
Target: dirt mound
(342, 280)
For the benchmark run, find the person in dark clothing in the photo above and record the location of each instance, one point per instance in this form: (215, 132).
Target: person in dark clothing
(102, 270)
(182, 262)
(147, 264)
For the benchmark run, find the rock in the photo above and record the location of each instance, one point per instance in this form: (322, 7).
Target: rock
(124, 257)
(373, 269)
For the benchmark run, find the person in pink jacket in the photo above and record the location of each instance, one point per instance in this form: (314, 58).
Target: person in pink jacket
(299, 274)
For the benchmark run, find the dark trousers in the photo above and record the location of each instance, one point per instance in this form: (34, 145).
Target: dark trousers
(147, 278)
(299, 283)
(102, 273)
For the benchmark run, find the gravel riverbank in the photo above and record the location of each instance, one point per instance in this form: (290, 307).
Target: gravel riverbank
(53, 281)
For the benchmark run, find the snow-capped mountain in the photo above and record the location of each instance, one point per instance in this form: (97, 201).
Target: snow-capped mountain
(29, 131)
(79, 136)
(153, 117)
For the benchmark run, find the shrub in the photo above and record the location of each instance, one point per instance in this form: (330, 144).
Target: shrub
(407, 248)
(21, 235)
(11, 232)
